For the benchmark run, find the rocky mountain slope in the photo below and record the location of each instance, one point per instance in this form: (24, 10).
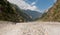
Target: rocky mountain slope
(53, 13)
(11, 12)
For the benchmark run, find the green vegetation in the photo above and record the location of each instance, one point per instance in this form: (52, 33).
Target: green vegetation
(11, 12)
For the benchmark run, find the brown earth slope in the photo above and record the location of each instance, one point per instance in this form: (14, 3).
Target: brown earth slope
(53, 13)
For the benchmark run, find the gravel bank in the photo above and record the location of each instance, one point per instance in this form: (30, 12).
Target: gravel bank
(30, 28)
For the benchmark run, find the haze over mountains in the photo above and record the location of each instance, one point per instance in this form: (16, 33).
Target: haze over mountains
(33, 14)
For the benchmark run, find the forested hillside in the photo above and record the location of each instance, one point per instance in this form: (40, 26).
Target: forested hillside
(11, 12)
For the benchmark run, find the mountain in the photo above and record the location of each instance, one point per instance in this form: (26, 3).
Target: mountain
(23, 13)
(33, 14)
(11, 12)
(53, 13)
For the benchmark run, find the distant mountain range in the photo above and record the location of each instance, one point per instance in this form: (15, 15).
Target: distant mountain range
(33, 14)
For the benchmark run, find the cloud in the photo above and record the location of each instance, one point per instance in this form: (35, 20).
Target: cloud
(33, 3)
(23, 5)
(32, 7)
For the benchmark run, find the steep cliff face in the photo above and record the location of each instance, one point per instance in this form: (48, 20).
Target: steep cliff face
(53, 13)
(8, 12)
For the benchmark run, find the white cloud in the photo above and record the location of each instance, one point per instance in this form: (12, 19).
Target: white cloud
(23, 5)
(33, 3)
(32, 7)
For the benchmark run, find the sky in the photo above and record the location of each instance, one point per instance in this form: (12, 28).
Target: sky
(36, 5)
(41, 4)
